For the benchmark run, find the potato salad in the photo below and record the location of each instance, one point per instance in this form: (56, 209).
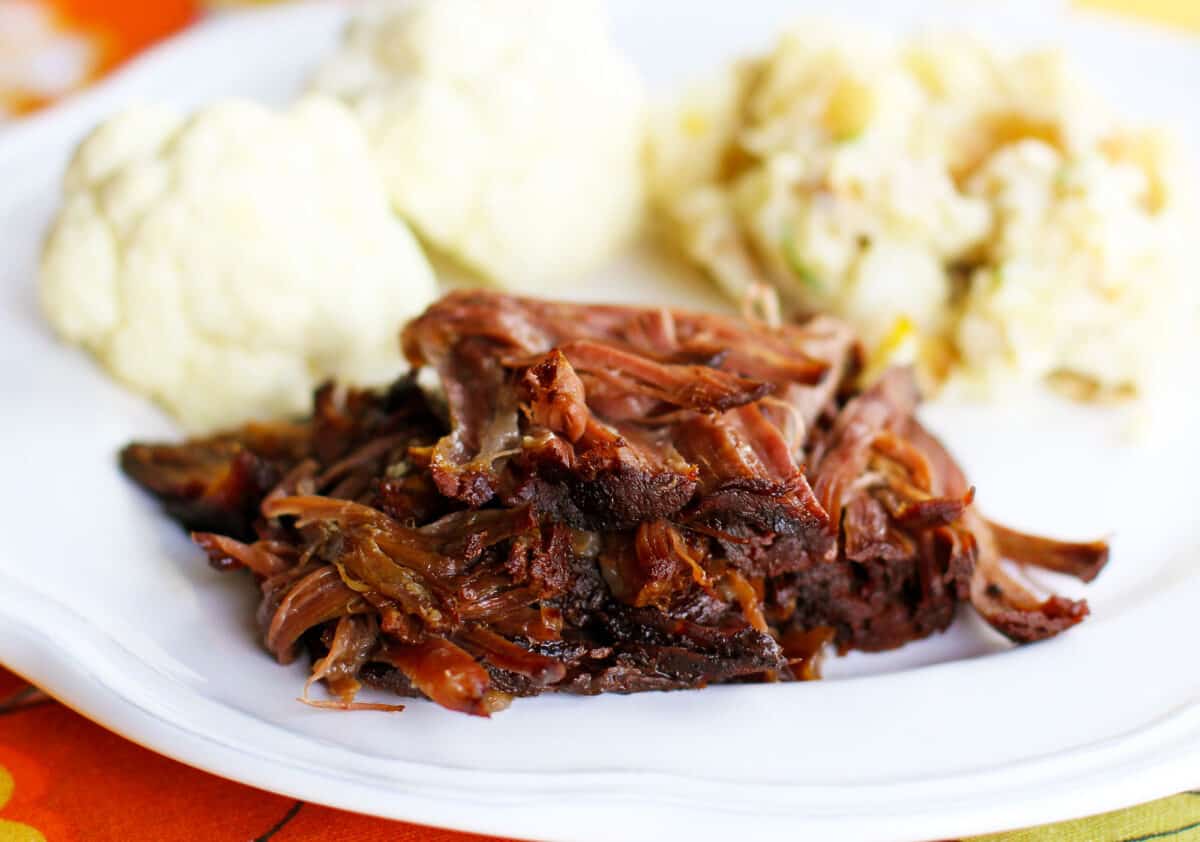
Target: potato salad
(980, 215)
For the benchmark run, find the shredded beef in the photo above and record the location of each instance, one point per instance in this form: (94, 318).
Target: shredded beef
(602, 499)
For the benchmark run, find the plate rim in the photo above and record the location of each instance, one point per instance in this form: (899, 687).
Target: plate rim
(593, 798)
(53, 668)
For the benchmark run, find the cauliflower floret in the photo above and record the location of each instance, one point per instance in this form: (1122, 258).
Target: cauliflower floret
(508, 132)
(226, 264)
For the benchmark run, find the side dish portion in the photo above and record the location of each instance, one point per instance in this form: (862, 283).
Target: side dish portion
(982, 216)
(508, 134)
(226, 264)
(603, 499)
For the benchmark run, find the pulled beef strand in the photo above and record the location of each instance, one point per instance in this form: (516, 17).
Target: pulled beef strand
(1084, 561)
(613, 500)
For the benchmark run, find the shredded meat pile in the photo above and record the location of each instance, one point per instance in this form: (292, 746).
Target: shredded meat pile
(604, 499)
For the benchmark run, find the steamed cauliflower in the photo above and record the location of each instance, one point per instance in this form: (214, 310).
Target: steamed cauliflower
(507, 132)
(226, 264)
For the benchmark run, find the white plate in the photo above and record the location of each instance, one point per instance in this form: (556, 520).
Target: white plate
(109, 608)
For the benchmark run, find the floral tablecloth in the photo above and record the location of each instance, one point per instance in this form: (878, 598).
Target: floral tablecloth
(65, 779)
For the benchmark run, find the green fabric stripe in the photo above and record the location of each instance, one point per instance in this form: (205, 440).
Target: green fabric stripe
(1164, 834)
(1176, 818)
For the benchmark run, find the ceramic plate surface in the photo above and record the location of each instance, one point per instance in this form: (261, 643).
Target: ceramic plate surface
(109, 607)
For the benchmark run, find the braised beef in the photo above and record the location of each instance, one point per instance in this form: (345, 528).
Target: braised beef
(601, 499)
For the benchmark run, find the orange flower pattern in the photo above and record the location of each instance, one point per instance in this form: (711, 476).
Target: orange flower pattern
(51, 48)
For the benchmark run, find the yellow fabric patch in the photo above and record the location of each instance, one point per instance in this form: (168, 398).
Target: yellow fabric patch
(1181, 13)
(14, 831)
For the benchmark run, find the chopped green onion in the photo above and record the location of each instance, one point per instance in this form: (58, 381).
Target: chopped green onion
(799, 268)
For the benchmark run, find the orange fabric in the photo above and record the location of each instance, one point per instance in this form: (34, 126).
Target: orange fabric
(65, 779)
